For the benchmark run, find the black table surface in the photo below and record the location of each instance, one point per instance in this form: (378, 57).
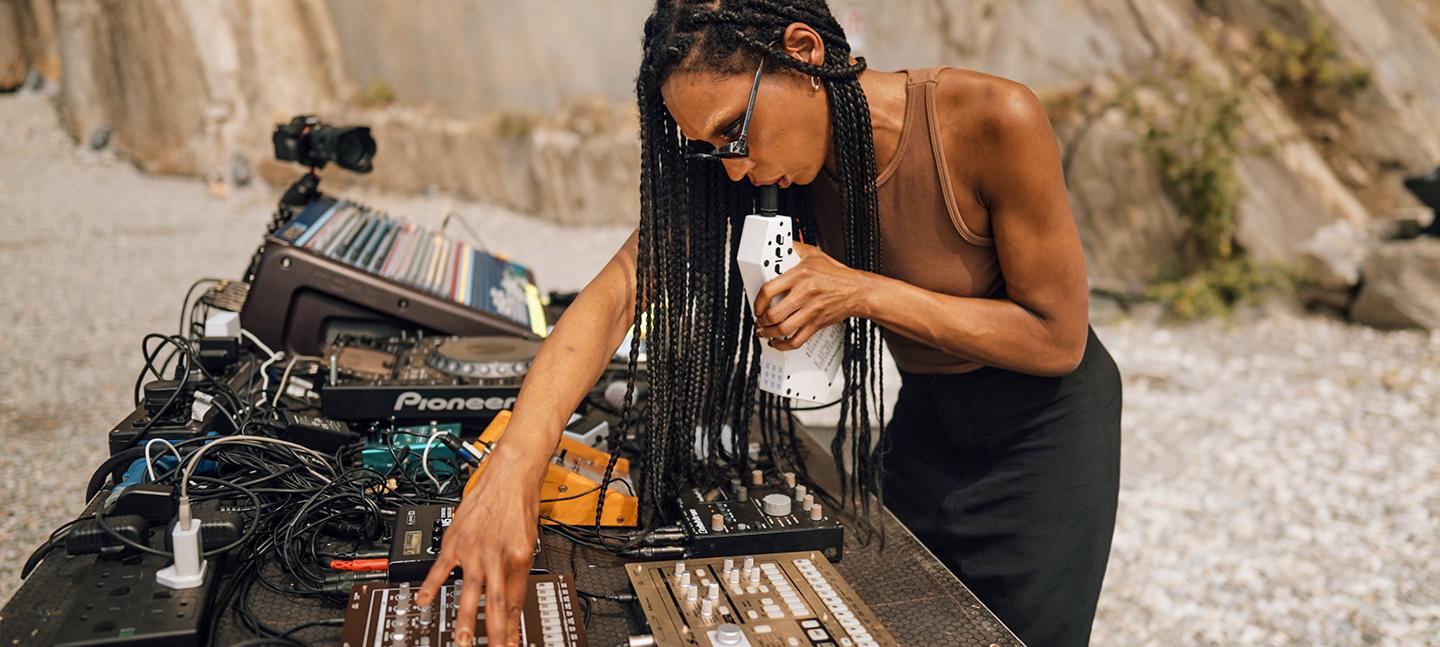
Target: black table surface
(919, 601)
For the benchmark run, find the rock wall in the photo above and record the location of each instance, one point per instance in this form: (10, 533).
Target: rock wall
(13, 62)
(492, 55)
(27, 42)
(191, 87)
(528, 105)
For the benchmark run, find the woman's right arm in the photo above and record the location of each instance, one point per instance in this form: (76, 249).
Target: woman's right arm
(492, 535)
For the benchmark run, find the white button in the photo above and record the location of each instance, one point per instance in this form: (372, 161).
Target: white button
(817, 634)
(761, 629)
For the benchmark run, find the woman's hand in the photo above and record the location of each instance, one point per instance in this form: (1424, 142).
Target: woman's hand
(819, 291)
(492, 540)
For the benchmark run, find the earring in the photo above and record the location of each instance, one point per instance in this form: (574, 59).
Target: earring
(814, 82)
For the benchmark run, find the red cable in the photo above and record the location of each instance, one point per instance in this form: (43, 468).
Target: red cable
(379, 564)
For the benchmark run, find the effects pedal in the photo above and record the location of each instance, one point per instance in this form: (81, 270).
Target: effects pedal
(386, 615)
(419, 529)
(759, 517)
(570, 492)
(766, 251)
(773, 600)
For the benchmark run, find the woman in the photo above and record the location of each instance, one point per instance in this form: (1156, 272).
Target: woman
(940, 208)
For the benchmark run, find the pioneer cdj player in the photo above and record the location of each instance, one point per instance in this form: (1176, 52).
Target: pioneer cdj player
(420, 378)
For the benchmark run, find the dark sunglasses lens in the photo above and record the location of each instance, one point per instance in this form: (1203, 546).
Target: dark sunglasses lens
(731, 150)
(702, 151)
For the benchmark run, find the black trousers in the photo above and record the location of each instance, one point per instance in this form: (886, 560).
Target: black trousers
(1011, 480)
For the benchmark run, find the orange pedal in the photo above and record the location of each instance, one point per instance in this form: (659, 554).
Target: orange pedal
(571, 488)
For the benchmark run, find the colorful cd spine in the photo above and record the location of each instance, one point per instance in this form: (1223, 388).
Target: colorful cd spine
(428, 261)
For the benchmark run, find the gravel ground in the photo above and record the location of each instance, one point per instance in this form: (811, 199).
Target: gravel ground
(1281, 476)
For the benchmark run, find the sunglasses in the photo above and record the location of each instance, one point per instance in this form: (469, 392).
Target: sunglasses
(699, 150)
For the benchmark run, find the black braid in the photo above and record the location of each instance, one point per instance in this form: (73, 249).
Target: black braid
(703, 357)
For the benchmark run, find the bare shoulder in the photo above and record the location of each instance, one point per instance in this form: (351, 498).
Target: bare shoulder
(983, 108)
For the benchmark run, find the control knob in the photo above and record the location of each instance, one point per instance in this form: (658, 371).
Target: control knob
(729, 635)
(776, 505)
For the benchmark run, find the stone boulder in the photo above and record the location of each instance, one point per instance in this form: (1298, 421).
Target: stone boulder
(1401, 286)
(1290, 191)
(1127, 225)
(13, 65)
(1331, 259)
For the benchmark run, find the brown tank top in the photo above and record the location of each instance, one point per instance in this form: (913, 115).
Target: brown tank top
(924, 241)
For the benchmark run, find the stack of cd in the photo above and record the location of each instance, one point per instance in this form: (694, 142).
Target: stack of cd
(414, 256)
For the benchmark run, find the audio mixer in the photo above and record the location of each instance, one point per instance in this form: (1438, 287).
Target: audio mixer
(386, 615)
(774, 600)
(764, 516)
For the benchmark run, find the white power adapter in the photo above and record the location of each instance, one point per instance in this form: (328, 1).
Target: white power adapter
(766, 251)
(188, 571)
(222, 324)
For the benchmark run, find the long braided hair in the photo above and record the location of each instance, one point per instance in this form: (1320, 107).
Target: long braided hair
(703, 355)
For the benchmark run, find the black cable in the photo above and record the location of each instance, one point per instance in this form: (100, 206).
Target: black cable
(328, 622)
(108, 468)
(51, 543)
(623, 598)
(250, 528)
(269, 640)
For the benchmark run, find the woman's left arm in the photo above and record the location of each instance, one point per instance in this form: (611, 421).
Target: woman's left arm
(1038, 328)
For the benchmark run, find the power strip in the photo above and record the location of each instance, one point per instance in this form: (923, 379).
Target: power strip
(124, 605)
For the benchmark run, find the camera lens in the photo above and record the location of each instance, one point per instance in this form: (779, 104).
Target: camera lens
(354, 148)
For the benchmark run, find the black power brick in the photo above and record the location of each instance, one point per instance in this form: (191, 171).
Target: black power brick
(320, 434)
(88, 538)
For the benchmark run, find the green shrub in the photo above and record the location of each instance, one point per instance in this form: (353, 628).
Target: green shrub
(377, 94)
(1195, 149)
(1308, 68)
(1216, 289)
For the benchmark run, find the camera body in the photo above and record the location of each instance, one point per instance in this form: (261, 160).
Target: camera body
(306, 140)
